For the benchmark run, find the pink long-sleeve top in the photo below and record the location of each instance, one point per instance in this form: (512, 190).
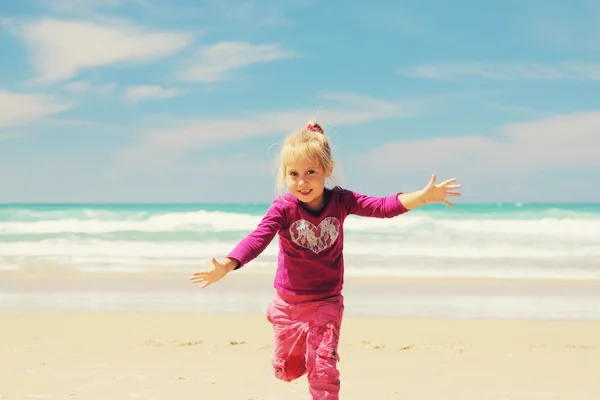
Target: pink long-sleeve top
(310, 259)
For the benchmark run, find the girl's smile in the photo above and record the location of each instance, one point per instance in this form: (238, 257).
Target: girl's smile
(305, 179)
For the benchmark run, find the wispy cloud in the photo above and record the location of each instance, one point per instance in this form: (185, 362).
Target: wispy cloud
(92, 8)
(533, 112)
(61, 48)
(506, 71)
(136, 93)
(350, 109)
(551, 142)
(88, 124)
(88, 87)
(19, 108)
(74, 5)
(266, 13)
(214, 63)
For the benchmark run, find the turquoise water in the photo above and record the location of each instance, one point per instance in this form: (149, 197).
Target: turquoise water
(9, 212)
(483, 240)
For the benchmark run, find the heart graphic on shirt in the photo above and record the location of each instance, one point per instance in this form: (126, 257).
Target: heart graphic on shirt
(315, 238)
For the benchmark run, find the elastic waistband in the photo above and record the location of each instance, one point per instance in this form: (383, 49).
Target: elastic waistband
(304, 298)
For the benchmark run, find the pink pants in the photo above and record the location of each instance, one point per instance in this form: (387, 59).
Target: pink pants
(306, 341)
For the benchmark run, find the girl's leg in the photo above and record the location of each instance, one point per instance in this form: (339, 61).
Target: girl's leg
(322, 351)
(289, 353)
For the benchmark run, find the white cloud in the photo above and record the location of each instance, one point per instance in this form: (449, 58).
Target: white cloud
(215, 62)
(505, 71)
(88, 87)
(62, 48)
(79, 86)
(19, 108)
(207, 132)
(253, 13)
(553, 142)
(137, 93)
(94, 8)
(519, 109)
(80, 5)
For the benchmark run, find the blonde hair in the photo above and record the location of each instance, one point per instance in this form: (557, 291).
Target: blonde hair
(310, 143)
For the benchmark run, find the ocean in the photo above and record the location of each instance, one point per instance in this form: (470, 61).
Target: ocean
(472, 261)
(529, 241)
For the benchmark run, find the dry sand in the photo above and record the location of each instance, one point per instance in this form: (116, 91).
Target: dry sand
(113, 356)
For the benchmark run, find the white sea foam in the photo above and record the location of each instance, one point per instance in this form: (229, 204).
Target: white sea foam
(204, 221)
(137, 241)
(195, 250)
(170, 222)
(403, 259)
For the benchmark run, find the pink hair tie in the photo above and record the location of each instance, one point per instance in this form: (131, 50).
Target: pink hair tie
(314, 128)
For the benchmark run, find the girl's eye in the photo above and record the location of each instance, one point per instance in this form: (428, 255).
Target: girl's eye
(293, 173)
(311, 172)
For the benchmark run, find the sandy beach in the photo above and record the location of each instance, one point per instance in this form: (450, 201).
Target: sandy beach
(118, 355)
(70, 335)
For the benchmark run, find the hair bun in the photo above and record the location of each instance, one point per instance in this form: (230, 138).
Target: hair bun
(314, 126)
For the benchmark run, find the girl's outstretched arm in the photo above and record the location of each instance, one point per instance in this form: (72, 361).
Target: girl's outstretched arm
(219, 270)
(246, 250)
(431, 193)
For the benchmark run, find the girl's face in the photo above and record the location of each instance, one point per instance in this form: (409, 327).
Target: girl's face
(306, 181)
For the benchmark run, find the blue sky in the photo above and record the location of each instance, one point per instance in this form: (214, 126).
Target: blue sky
(185, 101)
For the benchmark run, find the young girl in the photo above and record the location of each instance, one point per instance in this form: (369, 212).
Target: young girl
(306, 312)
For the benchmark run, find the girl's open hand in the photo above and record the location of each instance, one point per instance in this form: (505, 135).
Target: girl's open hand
(433, 193)
(217, 272)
